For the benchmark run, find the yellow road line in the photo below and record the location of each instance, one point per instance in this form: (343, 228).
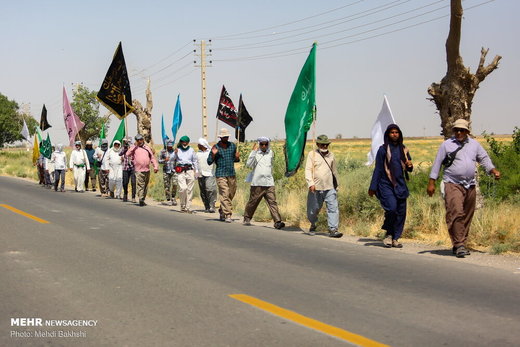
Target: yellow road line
(306, 321)
(25, 214)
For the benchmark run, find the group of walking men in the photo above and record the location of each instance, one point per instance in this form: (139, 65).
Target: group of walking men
(214, 169)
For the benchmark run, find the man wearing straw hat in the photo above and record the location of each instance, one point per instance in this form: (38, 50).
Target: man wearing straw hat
(458, 155)
(321, 176)
(224, 154)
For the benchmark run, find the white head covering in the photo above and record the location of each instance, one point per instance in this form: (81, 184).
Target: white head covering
(114, 148)
(204, 142)
(263, 139)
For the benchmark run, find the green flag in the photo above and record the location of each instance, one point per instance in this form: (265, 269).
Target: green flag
(102, 134)
(300, 114)
(46, 147)
(120, 133)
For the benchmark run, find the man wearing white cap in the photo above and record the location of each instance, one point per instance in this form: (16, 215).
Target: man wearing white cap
(459, 154)
(262, 182)
(93, 172)
(100, 155)
(79, 164)
(224, 154)
(142, 157)
(206, 179)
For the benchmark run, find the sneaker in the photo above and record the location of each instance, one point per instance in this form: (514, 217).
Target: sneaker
(460, 252)
(133, 200)
(211, 210)
(165, 202)
(221, 217)
(396, 244)
(387, 241)
(174, 202)
(312, 230)
(467, 252)
(228, 220)
(247, 221)
(142, 203)
(279, 225)
(335, 234)
(93, 189)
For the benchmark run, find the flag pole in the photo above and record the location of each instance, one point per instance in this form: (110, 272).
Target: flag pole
(124, 119)
(314, 111)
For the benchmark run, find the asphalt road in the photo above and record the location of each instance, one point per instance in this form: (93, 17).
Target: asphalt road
(155, 277)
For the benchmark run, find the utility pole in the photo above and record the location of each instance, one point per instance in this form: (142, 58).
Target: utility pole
(202, 54)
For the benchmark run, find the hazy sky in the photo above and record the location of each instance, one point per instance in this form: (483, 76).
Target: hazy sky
(365, 49)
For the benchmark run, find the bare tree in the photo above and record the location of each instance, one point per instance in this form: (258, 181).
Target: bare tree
(454, 95)
(144, 116)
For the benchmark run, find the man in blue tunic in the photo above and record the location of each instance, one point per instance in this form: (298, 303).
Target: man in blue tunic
(393, 162)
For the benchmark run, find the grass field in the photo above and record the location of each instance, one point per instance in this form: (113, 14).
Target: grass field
(495, 228)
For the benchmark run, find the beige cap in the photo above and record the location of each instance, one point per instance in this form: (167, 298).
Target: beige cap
(461, 124)
(223, 133)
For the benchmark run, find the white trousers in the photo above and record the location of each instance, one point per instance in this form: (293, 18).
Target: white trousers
(185, 183)
(79, 178)
(115, 180)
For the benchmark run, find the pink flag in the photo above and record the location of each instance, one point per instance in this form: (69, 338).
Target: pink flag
(72, 122)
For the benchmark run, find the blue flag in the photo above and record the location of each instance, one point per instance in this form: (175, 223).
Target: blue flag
(177, 118)
(165, 137)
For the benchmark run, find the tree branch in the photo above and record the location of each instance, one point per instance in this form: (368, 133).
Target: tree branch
(483, 71)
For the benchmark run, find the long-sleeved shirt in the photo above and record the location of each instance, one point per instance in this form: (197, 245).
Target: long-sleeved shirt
(381, 181)
(128, 164)
(142, 157)
(318, 173)
(462, 171)
(164, 158)
(224, 160)
(79, 158)
(205, 169)
(185, 158)
(101, 156)
(59, 159)
(262, 165)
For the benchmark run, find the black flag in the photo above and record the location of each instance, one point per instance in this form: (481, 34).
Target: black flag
(115, 91)
(226, 111)
(243, 121)
(43, 120)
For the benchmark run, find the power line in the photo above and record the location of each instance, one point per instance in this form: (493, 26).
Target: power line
(348, 18)
(160, 61)
(224, 37)
(254, 45)
(302, 50)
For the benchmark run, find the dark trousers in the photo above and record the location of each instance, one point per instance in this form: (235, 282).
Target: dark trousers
(395, 214)
(129, 177)
(460, 207)
(59, 175)
(208, 191)
(92, 176)
(256, 195)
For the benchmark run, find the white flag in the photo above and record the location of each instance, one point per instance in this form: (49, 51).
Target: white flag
(25, 132)
(384, 119)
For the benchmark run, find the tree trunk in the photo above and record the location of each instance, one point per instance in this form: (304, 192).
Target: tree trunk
(144, 117)
(454, 95)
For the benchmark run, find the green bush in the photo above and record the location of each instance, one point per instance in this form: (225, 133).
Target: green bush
(506, 158)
